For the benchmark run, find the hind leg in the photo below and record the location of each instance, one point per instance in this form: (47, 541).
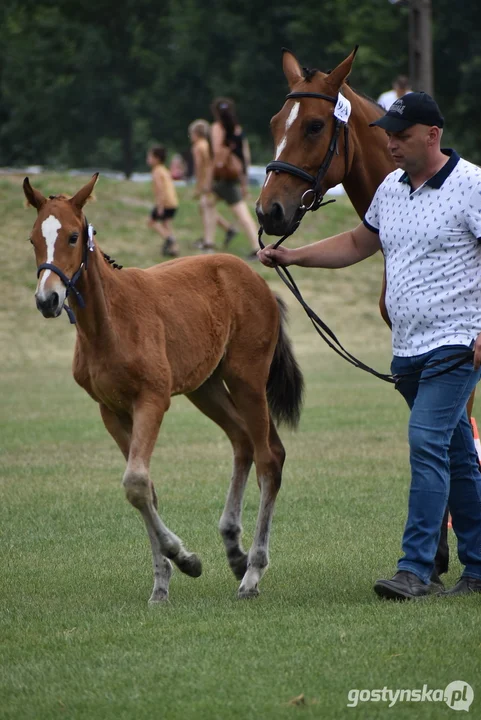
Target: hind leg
(215, 402)
(251, 402)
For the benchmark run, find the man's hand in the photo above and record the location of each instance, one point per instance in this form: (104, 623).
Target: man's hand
(477, 353)
(280, 256)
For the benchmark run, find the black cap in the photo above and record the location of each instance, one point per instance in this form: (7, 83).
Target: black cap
(415, 108)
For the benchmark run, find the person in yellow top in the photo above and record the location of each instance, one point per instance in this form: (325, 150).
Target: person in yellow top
(166, 201)
(199, 134)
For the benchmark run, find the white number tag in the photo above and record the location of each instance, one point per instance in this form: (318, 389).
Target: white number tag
(342, 110)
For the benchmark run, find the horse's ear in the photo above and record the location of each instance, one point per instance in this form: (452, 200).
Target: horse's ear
(339, 75)
(81, 197)
(34, 197)
(291, 67)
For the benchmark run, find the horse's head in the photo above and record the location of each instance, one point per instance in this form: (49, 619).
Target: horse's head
(59, 237)
(303, 132)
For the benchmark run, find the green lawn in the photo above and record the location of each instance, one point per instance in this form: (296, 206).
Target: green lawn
(78, 639)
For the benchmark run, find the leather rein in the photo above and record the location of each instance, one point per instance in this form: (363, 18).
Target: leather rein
(320, 326)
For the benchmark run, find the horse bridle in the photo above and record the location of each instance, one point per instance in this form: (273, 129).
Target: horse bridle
(70, 283)
(333, 149)
(317, 201)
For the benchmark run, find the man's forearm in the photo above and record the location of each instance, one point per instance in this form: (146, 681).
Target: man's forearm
(337, 251)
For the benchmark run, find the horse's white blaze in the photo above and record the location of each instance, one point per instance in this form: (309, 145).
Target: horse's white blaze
(290, 119)
(50, 228)
(292, 115)
(281, 147)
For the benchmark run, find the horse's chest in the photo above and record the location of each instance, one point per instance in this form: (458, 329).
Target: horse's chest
(106, 383)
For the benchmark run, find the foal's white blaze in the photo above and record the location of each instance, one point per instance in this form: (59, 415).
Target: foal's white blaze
(50, 228)
(290, 119)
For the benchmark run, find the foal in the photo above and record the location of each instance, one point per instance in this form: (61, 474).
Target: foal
(209, 328)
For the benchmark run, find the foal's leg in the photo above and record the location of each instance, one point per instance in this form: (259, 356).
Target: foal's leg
(214, 401)
(251, 402)
(139, 490)
(121, 430)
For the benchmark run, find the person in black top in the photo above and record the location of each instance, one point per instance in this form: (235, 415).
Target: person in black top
(227, 133)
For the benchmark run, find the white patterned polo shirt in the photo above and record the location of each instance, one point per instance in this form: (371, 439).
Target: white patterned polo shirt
(431, 243)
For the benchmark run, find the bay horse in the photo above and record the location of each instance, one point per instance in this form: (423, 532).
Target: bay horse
(206, 327)
(305, 136)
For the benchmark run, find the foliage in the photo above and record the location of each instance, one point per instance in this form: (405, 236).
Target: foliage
(92, 84)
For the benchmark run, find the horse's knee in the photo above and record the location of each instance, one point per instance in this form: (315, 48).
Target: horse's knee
(137, 486)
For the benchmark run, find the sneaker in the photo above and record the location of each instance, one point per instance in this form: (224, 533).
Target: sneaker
(229, 236)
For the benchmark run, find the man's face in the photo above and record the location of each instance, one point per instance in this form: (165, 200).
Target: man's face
(409, 147)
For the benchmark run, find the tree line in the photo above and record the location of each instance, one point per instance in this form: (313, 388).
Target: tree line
(92, 84)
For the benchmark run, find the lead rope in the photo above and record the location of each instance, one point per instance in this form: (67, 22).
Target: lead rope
(332, 341)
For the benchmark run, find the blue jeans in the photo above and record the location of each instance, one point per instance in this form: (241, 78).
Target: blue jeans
(444, 462)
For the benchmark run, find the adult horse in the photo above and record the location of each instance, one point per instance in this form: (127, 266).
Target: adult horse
(320, 144)
(191, 326)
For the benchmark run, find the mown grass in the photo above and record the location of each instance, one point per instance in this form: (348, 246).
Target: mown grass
(78, 639)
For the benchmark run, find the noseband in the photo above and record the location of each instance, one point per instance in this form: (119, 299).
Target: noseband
(315, 180)
(88, 245)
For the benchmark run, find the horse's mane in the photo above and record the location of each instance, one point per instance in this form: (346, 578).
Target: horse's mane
(110, 261)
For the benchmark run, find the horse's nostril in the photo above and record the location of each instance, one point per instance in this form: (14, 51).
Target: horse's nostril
(53, 301)
(277, 212)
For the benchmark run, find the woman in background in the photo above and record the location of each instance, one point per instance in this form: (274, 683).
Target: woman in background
(199, 134)
(227, 133)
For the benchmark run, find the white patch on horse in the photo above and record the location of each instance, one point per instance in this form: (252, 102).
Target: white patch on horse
(292, 115)
(290, 119)
(50, 228)
(281, 147)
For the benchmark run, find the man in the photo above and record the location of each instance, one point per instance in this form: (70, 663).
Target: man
(400, 87)
(426, 219)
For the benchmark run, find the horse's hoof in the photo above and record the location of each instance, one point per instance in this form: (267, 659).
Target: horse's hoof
(239, 567)
(244, 594)
(190, 565)
(159, 597)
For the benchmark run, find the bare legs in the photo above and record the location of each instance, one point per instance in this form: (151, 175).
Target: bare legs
(165, 229)
(246, 221)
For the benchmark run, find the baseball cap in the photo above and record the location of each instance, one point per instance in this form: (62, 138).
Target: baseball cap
(415, 108)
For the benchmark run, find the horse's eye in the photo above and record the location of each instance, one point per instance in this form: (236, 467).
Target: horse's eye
(73, 238)
(315, 127)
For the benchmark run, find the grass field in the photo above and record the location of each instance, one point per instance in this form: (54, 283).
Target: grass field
(78, 639)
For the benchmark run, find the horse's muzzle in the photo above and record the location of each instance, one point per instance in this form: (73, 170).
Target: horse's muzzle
(274, 220)
(49, 306)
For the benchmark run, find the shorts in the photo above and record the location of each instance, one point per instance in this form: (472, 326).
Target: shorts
(166, 215)
(228, 190)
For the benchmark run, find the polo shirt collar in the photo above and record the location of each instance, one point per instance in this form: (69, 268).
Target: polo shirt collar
(436, 181)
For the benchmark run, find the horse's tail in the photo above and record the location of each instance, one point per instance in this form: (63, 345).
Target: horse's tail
(285, 385)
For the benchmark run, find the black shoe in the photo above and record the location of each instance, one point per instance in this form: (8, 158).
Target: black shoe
(169, 249)
(465, 586)
(405, 586)
(229, 236)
